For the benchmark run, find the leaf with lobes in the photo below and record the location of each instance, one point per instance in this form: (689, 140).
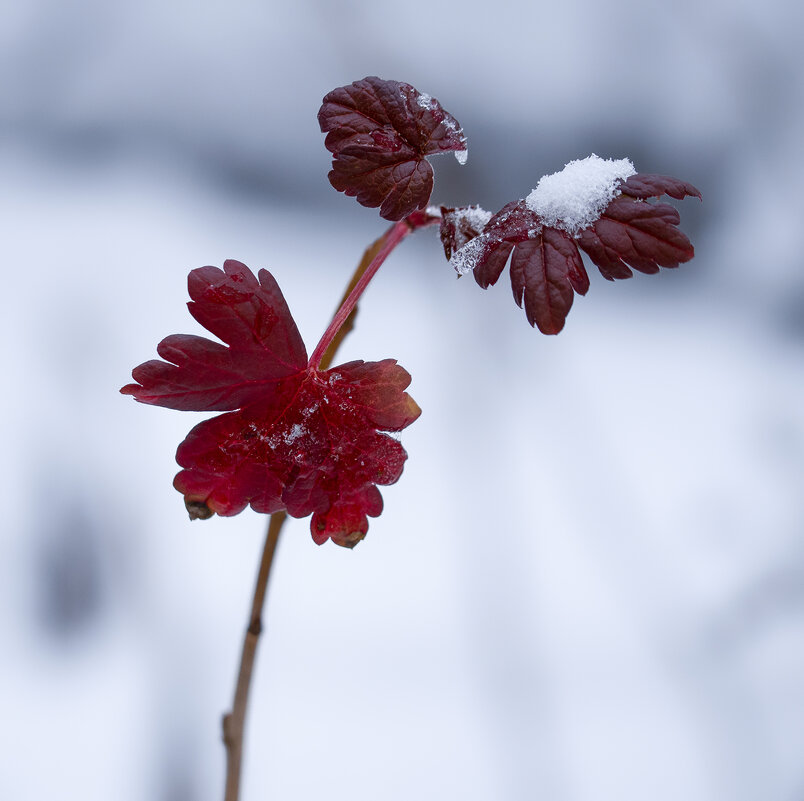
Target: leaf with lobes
(634, 233)
(379, 133)
(546, 265)
(294, 437)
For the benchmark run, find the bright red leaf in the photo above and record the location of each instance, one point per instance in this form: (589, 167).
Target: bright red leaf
(297, 438)
(379, 133)
(546, 265)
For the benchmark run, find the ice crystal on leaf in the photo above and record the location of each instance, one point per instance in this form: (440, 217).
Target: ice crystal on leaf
(379, 133)
(597, 206)
(459, 225)
(294, 437)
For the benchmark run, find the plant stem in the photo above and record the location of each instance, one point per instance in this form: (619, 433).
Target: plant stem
(342, 323)
(234, 721)
(385, 244)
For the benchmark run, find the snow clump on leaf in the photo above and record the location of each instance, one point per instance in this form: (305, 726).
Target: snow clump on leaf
(575, 197)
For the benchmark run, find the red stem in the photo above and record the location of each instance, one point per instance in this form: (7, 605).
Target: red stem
(395, 234)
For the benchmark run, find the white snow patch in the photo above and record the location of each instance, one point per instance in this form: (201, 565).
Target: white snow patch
(426, 101)
(461, 156)
(575, 197)
(296, 431)
(475, 216)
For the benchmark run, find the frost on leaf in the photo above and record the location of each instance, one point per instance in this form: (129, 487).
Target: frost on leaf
(379, 133)
(595, 205)
(296, 438)
(459, 225)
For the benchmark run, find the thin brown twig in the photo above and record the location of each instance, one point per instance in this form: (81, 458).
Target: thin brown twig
(234, 721)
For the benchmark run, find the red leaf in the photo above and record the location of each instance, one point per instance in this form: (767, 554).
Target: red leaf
(252, 318)
(638, 234)
(546, 266)
(379, 133)
(644, 186)
(544, 272)
(297, 438)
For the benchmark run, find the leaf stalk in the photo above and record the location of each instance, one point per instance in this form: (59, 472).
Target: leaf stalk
(379, 251)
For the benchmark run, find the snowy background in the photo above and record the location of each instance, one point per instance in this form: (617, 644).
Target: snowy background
(588, 584)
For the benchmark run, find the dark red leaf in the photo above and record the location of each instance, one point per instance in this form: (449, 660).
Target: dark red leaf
(379, 133)
(297, 438)
(638, 234)
(645, 186)
(546, 266)
(546, 271)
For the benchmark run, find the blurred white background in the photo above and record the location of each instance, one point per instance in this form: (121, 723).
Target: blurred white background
(588, 584)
